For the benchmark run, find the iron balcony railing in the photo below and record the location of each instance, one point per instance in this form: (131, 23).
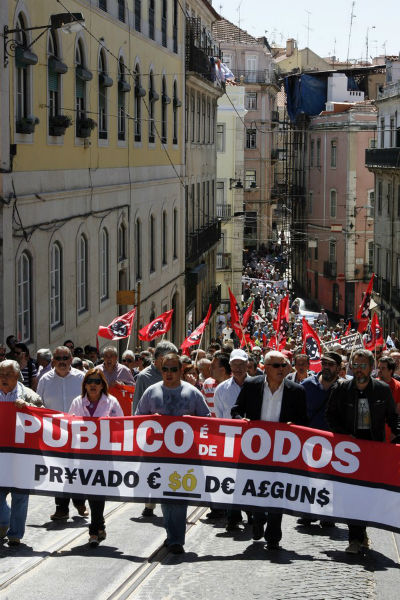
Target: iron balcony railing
(202, 240)
(224, 261)
(249, 76)
(224, 211)
(382, 157)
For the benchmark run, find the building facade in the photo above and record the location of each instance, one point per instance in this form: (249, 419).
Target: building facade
(251, 63)
(229, 193)
(202, 226)
(92, 155)
(384, 163)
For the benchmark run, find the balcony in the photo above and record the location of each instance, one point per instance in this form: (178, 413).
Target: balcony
(330, 269)
(199, 50)
(202, 240)
(387, 158)
(213, 298)
(253, 76)
(224, 211)
(224, 261)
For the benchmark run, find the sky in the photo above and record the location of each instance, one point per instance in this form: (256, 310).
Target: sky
(326, 24)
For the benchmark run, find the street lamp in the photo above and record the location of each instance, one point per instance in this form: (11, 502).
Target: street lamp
(67, 22)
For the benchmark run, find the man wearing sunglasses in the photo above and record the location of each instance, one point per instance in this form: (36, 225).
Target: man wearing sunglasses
(58, 388)
(360, 408)
(271, 397)
(175, 397)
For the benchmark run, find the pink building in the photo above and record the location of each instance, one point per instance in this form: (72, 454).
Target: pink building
(339, 215)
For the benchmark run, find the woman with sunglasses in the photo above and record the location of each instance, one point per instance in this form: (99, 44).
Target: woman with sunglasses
(95, 401)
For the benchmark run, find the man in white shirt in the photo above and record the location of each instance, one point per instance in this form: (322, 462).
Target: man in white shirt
(58, 388)
(224, 398)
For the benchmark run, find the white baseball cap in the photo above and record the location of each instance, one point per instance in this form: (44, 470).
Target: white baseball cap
(238, 355)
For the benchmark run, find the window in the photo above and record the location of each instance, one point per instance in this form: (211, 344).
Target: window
(151, 19)
(55, 286)
(152, 244)
(198, 117)
(220, 137)
(192, 117)
(153, 97)
(138, 247)
(82, 274)
(164, 23)
(138, 15)
(203, 117)
(22, 74)
(310, 203)
(121, 242)
(316, 250)
(333, 204)
(104, 82)
(333, 154)
(318, 153)
(24, 298)
(213, 112)
(251, 139)
(103, 5)
(104, 264)
(208, 122)
(332, 251)
(382, 132)
(370, 256)
(392, 133)
(227, 60)
(139, 93)
(175, 236)
(251, 68)
(53, 78)
(164, 239)
(379, 197)
(165, 100)
(371, 203)
(175, 27)
(121, 10)
(312, 153)
(250, 179)
(175, 105)
(220, 196)
(123, 87)
(82, 76)
(251, 100)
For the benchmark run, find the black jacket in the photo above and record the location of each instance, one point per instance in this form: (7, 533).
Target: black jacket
(249, 401)
(341, 411)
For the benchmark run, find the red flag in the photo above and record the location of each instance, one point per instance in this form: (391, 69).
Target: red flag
(348, 329)
(282, 322)
(311, 346)
(247, 341)
(119, 328)
(247, 314)
(363, 311)
(158, 326)
(272, 343)
(374, 335)
(194, 338)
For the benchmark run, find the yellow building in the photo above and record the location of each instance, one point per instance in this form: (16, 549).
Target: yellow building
(92, 154)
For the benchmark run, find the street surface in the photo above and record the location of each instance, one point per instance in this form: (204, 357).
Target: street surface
(54, 561)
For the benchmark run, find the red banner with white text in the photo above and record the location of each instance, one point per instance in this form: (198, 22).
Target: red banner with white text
(223, 462)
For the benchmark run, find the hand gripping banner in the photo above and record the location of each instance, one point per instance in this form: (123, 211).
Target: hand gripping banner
(223, 462)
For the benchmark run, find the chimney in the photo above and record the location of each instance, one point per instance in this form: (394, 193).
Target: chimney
(290, 46)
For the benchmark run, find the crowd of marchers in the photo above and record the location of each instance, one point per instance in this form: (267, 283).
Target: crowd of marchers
(354, 393)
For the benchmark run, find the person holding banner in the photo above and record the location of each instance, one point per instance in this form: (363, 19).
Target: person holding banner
(361, 407)
(175, 397)
(12, 520)
(95, 402)
(271, 398)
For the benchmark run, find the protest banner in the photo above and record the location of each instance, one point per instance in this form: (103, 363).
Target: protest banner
(223, 462)
(124, 394)
(349, 342)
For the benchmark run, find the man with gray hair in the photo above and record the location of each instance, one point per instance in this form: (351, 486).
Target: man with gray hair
(147, 377)
(12, 520)
(113, 371)
(43, 359)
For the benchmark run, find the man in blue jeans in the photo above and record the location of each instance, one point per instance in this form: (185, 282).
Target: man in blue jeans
(12, 520)
(171, 396)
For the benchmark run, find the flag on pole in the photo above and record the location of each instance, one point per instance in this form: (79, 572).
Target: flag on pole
(311, 346)
(158, 326)
(194, 338)
(119, 328)
(363, 311)
(247, 315)
(374, 335)
(347, 332)
(282, 322)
